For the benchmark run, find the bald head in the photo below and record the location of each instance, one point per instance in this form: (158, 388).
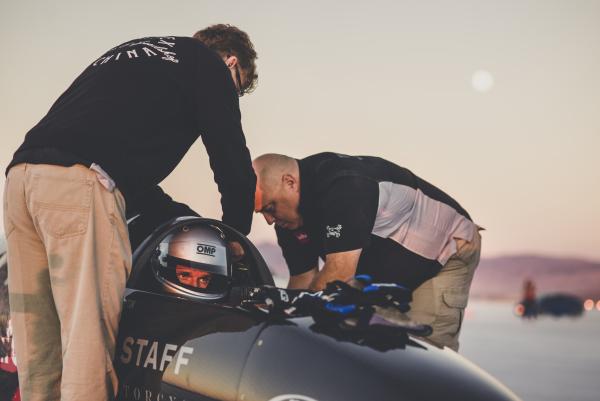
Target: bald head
(277, 189)
(270, 167)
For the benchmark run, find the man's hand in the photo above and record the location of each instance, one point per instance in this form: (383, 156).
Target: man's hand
(237, 252)
(338, 266)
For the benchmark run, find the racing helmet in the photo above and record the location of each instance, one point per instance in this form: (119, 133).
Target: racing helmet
(194, 262)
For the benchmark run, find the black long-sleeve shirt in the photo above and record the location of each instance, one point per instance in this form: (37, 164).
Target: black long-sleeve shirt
(136, 111)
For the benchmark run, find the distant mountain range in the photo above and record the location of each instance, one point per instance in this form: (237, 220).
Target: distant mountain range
(503, 277)
(496, 278)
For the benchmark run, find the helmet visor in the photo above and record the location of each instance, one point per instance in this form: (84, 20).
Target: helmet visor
(195, 277)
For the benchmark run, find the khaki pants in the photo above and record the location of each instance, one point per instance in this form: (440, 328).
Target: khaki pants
(441, 301)
(68, 260)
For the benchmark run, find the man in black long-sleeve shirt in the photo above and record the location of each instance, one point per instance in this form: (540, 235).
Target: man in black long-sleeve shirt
(97, 156)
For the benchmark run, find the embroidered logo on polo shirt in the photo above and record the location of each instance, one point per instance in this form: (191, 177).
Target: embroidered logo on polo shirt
(302, 237)
(335, 231)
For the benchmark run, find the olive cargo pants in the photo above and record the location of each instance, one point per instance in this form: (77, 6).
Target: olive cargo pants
(441, 301)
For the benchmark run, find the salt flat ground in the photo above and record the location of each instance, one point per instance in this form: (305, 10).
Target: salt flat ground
(546, 359)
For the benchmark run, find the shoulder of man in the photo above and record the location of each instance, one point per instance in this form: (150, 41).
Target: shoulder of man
(174, 50)
(329, 167)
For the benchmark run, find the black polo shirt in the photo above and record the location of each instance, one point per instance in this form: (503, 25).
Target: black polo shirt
(363, 202)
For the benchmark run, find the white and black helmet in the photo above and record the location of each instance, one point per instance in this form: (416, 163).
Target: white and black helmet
(194, 262)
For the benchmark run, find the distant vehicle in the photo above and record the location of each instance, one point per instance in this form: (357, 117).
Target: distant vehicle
(560, 305)
(557, 305)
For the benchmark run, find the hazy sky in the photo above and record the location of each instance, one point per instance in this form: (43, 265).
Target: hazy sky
(385, 78)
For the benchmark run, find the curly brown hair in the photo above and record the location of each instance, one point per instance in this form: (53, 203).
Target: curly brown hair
(228, 39)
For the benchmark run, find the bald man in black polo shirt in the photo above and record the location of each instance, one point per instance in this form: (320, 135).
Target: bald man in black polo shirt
(365, 215)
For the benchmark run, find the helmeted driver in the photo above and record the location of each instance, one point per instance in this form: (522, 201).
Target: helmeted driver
(197, 261)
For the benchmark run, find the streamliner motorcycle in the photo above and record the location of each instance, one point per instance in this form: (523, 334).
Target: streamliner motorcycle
(182, 339)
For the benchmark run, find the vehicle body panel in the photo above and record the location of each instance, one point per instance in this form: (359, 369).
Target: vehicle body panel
(173, 348)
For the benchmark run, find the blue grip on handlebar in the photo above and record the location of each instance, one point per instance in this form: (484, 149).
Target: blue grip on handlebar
(365, 278)
(342, 309)
(377, 287)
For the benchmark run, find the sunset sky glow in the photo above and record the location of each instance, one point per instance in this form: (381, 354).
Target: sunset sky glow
(496, 102)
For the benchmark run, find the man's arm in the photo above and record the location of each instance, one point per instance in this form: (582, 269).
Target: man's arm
(338, 266)
(302, 281)
(301, 257)
(220, 124)
(347, 209)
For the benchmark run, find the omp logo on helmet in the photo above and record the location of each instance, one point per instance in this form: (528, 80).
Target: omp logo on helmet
(335, 231)
(204, 249)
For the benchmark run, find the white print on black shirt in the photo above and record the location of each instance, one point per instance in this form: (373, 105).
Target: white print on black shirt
(335, 231)
(142, 48)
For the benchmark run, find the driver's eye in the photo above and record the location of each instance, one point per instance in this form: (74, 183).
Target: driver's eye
(184, 274)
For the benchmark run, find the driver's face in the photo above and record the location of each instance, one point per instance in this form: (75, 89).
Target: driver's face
(192, 277)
